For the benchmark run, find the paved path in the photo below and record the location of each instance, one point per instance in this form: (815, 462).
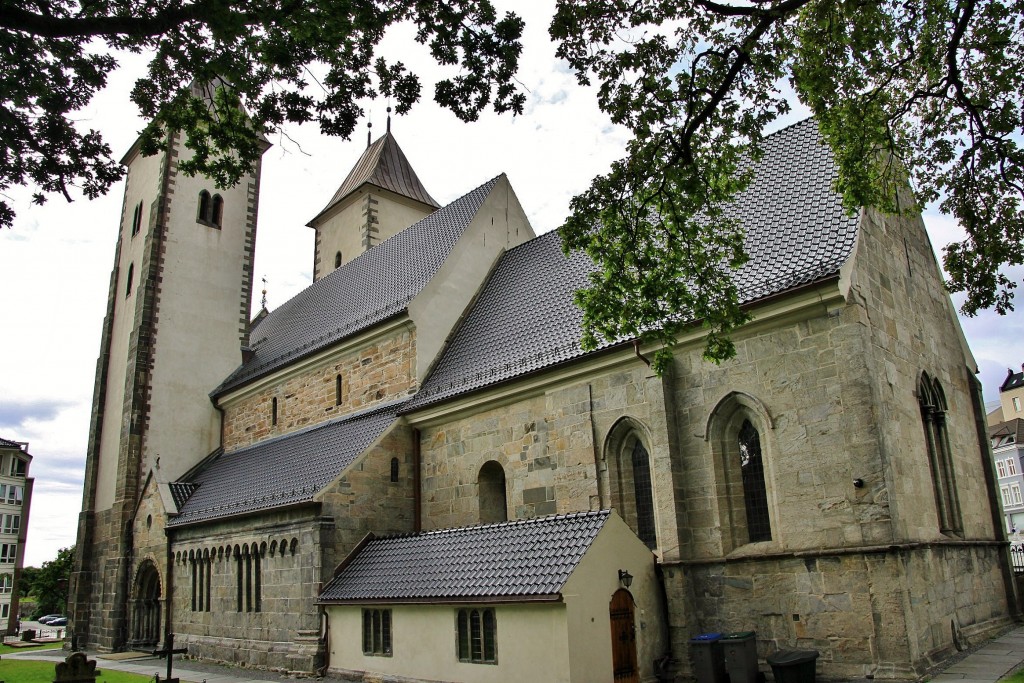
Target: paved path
(988, 664)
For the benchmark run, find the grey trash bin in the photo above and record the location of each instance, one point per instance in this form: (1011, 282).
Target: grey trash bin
(740, 651)
(793, 666)
(707, 660)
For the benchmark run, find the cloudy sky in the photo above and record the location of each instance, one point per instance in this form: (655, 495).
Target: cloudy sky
(55, 263)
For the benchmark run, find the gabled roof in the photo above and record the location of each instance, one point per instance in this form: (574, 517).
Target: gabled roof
(526, 559)
(369, 289)
(1011, 428)
(287, 470)
(1012, 381)
(385, 165)
(525, 319)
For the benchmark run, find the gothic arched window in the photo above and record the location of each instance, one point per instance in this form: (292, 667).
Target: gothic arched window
(932, 401)
(629, 482)
(755, 496)
(216, 211)
(205, 206)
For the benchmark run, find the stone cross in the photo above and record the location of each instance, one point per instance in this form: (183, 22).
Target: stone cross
(76, 669)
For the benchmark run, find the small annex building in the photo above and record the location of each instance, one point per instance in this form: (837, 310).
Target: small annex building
(417, 443)
(529, 597)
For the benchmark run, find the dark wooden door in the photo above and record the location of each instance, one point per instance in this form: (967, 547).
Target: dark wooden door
(624, 669)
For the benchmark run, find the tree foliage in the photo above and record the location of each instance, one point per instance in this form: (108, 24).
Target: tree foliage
(49, 585)
(930, 89)
(261, 54)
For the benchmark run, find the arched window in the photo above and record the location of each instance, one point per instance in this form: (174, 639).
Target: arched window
(205, 207)
(137, 219)
(491, 483)
(755, 496)
(131, 276)
(337, 260)
(932, 401)
(736, 431)
(629, 479)
(394, 469)
(216, 210)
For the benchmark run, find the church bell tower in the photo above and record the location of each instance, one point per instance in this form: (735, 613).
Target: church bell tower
(177, 315)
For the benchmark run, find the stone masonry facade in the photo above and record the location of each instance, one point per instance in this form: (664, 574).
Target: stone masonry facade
(381, 371)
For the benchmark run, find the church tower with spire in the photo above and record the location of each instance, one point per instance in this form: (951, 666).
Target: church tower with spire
(381, 196)
(177, 315)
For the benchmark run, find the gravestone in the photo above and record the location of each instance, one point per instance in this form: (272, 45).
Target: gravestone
(76, 668)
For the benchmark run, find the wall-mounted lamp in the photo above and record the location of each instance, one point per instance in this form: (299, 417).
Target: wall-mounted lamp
(625, 578)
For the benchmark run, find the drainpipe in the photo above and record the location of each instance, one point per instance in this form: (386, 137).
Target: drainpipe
(416, 493)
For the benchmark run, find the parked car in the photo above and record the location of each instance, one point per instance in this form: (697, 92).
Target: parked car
(48, 618)
(59, 621)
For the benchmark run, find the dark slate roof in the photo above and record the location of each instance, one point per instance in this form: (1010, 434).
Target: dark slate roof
(283, 471)
(524, 319)
(1014, 428)
(7, 443)
(385, 165)
(529, 559)
(180, 492)
(1012, 381)
(370, 288)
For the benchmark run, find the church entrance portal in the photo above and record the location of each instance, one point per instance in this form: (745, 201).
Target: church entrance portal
(145, 606)
(623, 638)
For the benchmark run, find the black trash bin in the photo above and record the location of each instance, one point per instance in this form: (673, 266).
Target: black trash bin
(740, 651)
(28, 634)
(793, 666)
(706, 656)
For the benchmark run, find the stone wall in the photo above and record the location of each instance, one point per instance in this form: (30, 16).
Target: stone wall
(380, 371)
(276, 624)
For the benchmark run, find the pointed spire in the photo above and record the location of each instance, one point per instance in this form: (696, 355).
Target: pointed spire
(385, 165)
(389, 119)
(263, 301)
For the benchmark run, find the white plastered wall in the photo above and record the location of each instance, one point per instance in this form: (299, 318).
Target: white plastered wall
(499, 224)
(143, 184)
(198, 324)
(531, 644)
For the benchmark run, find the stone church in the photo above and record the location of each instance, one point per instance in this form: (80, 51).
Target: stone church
(411, 470)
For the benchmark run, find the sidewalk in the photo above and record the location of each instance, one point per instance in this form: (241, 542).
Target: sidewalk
(988, 664)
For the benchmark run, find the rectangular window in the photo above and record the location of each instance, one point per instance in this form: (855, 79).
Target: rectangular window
(1016, 403)
(15, 494)
(8, 551)
(1015, 497)
(476, 636)
(1001, 468)
(18, 467)
(6, 581)
(5, 610)
(1011, 466)
(12, 524)
(377, 632)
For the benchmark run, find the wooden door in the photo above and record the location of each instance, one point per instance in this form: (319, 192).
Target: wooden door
(620, 611)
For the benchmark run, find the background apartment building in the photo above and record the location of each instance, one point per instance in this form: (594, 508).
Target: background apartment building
(15, 498)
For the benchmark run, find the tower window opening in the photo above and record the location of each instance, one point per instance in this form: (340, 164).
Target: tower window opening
(273, 411)
(337, 260)
(131, 276)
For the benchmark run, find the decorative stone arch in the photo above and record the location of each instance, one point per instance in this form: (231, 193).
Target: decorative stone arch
(273, 548)
(491, 493)
(626, 478)
(932, 401)
(739, 431)
(146, 606)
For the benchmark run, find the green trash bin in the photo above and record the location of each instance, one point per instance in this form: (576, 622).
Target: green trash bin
(706, 657)
(793, 666)
(740, 651)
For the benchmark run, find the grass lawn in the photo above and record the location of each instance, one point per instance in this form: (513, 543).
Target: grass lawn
(4, 649)
(24, 671)
(1015, 677)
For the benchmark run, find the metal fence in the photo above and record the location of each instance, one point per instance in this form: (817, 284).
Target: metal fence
(1017, 557)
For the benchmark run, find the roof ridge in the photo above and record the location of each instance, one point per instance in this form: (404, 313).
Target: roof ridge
(525, 521)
